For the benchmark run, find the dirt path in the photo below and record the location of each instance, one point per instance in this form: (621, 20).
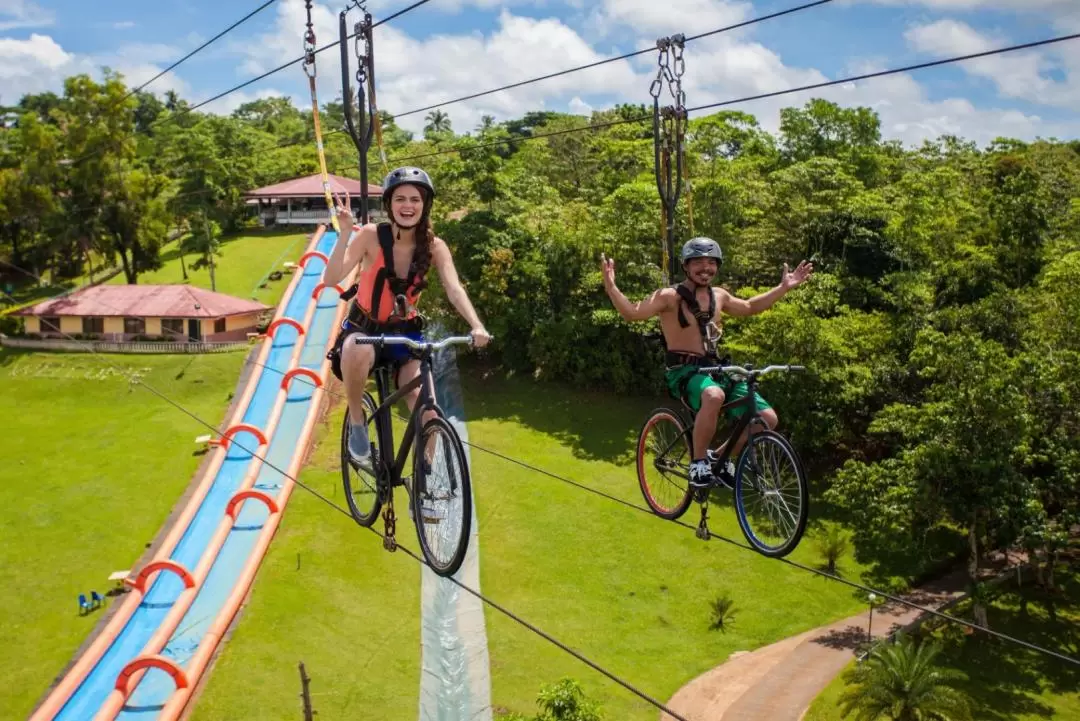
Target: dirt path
(780, 681)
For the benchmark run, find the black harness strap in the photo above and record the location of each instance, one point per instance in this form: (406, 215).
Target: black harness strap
(690, 298)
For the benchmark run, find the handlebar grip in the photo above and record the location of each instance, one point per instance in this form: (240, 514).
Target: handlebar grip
(797, 369)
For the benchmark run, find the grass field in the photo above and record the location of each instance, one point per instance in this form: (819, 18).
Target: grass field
(245, 260)
(624, 588)
(92, 468)
(1007, 682)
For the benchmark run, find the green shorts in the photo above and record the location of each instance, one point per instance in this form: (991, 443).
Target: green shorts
(685, 382)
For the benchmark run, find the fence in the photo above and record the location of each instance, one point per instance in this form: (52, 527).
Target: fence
(123, 347)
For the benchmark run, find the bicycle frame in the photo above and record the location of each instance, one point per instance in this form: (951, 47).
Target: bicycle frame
(743, 422)
(425, 381)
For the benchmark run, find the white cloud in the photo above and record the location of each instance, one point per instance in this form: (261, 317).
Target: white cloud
(413, 73)
(40, 64)
(123, 25)
(24, 14)
(30, 66)
(1017, 75)
(674, 16)
(578, 106)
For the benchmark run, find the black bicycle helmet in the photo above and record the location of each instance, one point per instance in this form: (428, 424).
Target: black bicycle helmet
(407, 176)
(702, 247)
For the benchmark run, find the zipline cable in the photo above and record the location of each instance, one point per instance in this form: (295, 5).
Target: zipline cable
(189, 109)
(202, 47)
(605, 61)
(748, 98)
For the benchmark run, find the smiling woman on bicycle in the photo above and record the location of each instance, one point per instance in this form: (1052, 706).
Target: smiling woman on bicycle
(394, 259)
(689, 349)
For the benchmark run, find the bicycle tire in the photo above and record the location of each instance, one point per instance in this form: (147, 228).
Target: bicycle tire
(364, 518)
(455, 452)
(768, 437)
(656, 417)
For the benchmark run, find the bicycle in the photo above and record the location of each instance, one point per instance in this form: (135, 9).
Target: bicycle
(454, 494)
(669, 432)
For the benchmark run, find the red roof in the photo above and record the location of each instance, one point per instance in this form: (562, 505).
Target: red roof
(145, 301)
(312, 187)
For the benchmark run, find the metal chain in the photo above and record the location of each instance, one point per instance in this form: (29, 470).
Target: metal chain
(360, 45)
(390, 521)
(309, 44)
(678, 42)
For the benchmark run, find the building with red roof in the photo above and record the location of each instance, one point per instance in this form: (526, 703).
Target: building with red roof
(178, 313)
(301, 201)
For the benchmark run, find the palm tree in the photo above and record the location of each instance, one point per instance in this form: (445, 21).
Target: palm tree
(900, 682)
(437, 122)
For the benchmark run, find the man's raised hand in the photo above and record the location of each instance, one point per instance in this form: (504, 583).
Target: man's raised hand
(794, 278)
(607, 266)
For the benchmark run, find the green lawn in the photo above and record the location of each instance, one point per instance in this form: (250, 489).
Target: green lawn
(245, 260)
(1006, 681)
(626, 589)
(92, 468)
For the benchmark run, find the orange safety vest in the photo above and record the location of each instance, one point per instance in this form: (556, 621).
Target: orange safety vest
(380, 290)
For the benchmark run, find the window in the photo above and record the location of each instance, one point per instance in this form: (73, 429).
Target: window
(172, 327)
(134, 326)
(50, 324)
(219, 325)
(93, 325)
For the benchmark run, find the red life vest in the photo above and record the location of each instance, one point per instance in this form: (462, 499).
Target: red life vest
(380, 292)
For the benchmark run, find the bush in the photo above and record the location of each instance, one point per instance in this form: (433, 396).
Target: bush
(832, 546)
(723, 612)
(12, 325)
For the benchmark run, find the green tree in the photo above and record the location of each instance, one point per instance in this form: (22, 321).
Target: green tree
(901, 682)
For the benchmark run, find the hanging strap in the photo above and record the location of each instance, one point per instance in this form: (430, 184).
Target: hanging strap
(309, 70)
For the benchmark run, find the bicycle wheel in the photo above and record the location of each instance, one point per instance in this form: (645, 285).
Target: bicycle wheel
(442, 496)
(663, 463)
(361, 486)
(772, 498)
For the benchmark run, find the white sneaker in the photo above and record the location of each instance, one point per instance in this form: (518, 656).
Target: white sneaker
(360, 448)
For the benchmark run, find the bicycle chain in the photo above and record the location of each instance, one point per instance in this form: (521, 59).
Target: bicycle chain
(390, 522)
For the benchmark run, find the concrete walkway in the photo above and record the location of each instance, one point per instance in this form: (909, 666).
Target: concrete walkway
(780, 681)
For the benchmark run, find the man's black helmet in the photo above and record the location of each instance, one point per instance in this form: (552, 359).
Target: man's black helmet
(702, 248)
(407, 176)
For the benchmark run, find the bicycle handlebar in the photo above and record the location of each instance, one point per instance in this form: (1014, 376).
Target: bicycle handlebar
(414, 344)
(755, 372)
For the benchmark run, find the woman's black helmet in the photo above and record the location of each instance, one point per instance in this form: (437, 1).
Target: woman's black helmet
(407, 176)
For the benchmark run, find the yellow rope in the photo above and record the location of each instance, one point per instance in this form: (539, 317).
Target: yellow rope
(319, 147)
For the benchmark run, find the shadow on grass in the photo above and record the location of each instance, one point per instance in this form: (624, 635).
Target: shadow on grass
(1003, 678)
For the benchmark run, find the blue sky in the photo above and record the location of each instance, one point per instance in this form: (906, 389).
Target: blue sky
(449, 48)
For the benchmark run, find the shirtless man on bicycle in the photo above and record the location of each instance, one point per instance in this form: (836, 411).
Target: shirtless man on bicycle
(695, 302)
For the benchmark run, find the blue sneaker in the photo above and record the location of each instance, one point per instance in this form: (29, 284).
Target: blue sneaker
(360, 447)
